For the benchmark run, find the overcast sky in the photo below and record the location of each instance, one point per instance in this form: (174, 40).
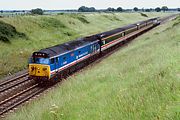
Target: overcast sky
(75, 4)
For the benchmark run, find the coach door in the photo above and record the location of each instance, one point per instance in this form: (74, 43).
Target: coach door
(123, 34)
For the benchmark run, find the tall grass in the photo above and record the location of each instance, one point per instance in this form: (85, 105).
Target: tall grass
(45, 31)
(141, 82)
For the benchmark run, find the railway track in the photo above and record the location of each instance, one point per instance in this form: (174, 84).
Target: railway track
(20, 89)
(20, 98)
(12, 80)
(168, 18)
(10, 88)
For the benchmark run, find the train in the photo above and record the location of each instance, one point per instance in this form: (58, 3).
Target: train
(56, 62)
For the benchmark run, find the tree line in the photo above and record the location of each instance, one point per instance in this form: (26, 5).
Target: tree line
(157, 9)
(39, 11)
(120, 9)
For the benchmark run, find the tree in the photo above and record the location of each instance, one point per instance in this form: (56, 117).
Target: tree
(151, 9)
(92, 9)
(164, 8)
(37, 11)
(119, 9)
(158, 9)
(86, 9)
(147, 10)
(1, 11)
(82, 9)
(14, 11)
(135, 9)
(110, 9)
(178, 9)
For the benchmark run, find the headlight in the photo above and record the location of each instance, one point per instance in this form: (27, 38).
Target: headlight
(44, 69)
(32, 68)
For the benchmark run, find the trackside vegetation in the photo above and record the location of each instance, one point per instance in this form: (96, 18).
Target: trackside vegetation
(20, 36)
(141, 81)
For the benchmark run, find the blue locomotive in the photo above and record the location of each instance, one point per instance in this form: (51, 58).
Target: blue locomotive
(49, 62)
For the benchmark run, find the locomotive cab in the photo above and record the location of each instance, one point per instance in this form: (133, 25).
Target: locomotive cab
(39, 66)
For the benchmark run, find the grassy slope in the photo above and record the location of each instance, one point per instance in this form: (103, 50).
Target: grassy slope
(141, 81)
(45, 31)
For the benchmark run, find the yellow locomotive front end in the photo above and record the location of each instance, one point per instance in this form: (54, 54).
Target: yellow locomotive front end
(39, 68)
(39, 71)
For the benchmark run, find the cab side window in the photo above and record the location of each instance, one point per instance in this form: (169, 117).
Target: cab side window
(64, 58)
(52, 61)
(57, 60)
(31, 60)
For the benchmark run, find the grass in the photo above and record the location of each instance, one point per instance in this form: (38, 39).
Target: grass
(141, 82)
(44, 31)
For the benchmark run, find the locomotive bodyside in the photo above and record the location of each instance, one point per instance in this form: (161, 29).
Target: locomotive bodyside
(57, 63)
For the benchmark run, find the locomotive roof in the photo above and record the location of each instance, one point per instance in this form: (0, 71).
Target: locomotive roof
(65, 47)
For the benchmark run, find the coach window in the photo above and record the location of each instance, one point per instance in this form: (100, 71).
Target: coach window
(94, 47)
(104, 42)
(52, 60)
(79, 52)
(97, 47)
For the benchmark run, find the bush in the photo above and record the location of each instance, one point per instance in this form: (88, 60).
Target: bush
(144, 15)
(8, 31)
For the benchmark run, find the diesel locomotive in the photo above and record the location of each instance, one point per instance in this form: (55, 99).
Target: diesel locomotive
(54, 63)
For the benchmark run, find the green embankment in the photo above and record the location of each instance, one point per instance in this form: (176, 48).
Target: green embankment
(20, 36)
(139, 82)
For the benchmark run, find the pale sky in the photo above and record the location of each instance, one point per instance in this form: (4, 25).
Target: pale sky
(75, 4)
